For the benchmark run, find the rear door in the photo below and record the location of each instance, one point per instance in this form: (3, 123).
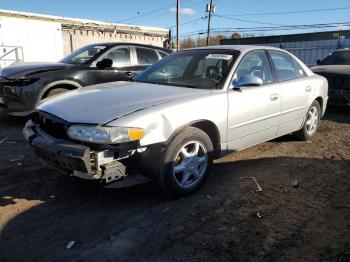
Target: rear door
(253, 110)
(145, 57)
(294, 89)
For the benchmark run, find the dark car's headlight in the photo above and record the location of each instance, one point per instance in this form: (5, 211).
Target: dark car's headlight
(105, 135)
(22, 81)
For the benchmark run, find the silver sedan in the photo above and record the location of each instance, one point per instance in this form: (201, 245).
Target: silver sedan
(178, 115)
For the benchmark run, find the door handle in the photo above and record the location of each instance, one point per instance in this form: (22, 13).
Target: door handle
(308, 89)
(274, 97)
(129, 73)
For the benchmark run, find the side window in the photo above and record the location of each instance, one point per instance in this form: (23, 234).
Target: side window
(257, 64)
(300, 70)
(146, 56)
(284, 66)
(120, 56)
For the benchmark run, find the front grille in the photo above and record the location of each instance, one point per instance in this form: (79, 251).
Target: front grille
(54, 126)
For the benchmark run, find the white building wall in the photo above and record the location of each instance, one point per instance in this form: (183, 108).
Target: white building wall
(40, 40)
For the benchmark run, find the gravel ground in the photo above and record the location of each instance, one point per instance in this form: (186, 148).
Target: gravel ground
(301, 214)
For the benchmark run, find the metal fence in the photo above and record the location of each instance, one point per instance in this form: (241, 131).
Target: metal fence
(311, 51)
(308, 47)
(10, 55)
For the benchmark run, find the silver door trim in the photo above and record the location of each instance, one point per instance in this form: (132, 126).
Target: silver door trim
(255, 120)
(292, 110)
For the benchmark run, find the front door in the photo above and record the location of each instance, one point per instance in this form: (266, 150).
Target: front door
(253, 110)
(121, 69)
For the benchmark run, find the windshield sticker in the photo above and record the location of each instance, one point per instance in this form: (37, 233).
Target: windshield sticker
(219, 56)
(100, 47)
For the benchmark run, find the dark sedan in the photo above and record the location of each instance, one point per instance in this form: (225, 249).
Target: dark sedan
(22, 86)
(336, 68)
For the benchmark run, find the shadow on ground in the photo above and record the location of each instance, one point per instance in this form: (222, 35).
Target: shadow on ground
(227, 220)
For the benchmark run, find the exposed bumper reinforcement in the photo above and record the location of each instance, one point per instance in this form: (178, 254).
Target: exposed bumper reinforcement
(58, 153)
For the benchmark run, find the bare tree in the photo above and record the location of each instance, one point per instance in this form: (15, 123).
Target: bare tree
(189, 42)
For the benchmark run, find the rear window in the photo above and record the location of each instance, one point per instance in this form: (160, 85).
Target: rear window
(146, 56)
(337, 58)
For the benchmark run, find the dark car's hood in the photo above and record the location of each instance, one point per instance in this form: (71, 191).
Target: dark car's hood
(332, 69)
(103, 103)
(24, 69)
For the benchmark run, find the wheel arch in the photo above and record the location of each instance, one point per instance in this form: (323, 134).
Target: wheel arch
(67, 84)
(207, 127)
(319, 99)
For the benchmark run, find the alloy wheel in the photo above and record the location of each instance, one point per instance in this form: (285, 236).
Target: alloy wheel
(190, 164)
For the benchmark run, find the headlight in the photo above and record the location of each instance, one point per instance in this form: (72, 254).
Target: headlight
(105, 135)
(22, 82)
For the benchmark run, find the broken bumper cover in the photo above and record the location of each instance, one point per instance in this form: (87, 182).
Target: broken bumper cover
(57, 153)
(79, 160)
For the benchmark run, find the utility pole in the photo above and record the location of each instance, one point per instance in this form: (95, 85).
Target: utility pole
(210, 10)
(177, 25)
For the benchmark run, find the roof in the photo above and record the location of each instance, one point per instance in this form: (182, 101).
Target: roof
(132, 44)
(242, 48)
(68, 20)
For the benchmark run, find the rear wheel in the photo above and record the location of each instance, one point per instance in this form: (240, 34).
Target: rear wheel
(311, 123)
(187, 163)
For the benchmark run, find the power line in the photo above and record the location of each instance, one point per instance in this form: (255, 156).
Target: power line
(145, 14)
(245, 20)
(186, 23)
(167, 13)
(290, 12)
(157, 12)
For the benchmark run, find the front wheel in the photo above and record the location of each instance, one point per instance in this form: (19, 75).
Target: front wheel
(55, 91)
(187, 163)
(311, 123)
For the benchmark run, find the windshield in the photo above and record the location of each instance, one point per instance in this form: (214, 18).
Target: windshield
(83, 55)
(337, 58)
(203, 69)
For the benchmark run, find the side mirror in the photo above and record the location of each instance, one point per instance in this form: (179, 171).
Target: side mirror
(318, 62)
(104, 63)
(247, 80)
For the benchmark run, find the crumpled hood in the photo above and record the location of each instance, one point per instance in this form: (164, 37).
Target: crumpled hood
(332, 69)
(100, 104)
(19, 70)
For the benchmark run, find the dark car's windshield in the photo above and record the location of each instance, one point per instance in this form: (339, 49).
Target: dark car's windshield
(203, 69)
(83, 55)
(337, 58)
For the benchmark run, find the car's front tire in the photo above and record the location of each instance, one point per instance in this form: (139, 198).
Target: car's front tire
(312, 120)
(186, 164)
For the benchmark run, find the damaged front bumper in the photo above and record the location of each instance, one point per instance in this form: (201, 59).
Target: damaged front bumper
(18, 100)
(80, 160)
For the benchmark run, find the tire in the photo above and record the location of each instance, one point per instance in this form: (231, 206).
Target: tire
(312, 120)
(55, 91)
(182, 175)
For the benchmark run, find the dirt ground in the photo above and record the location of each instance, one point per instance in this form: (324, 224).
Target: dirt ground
(302, 213)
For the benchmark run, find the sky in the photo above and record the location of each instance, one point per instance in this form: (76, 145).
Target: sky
(245, 16)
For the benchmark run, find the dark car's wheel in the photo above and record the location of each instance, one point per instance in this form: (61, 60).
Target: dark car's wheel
(187, 163)
(311, 123)
(55, 91)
